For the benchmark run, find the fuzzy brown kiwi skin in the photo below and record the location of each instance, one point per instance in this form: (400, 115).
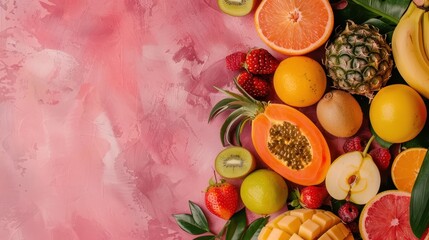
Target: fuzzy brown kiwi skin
(237, 9)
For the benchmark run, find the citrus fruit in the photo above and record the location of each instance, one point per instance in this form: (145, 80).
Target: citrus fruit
(406, 166)
(234, 162)
(299, 81)
(294, 27)
(397, 113)
(264, 191)
(387, 216)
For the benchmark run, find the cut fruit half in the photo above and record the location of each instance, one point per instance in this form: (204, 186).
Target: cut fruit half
(294, 27)
(406, 167)
(236, 7)
(234, 162)
(387, 216)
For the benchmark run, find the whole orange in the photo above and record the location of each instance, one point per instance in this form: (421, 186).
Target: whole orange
(397, 113)
(299, 81)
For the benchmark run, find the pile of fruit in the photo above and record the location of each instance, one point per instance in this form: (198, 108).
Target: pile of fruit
(375, 187)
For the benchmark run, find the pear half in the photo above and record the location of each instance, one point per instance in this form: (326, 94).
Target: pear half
(353, 176)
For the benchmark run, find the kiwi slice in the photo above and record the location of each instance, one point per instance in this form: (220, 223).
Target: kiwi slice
(234, 162)
(236, 7)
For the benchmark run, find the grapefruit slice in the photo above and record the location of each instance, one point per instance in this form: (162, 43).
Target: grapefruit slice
(387, 216)
(294, 27)
(406, 167)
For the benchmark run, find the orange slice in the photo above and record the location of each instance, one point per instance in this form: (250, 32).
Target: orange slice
(294, 27)
(406, 166)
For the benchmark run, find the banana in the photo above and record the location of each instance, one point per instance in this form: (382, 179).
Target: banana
(425, 31)
(408, 50)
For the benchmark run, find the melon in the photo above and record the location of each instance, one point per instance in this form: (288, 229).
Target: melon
(387, 216)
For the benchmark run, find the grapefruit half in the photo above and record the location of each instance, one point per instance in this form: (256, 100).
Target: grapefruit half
(387, 216)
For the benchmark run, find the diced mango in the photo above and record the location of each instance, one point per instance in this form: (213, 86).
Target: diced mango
(324, 236)
(296, 237)
(336, 233)
(303, 214)
(309, 230)
(278, 234)
(290, 224)
(349, 237)
(343, 229)
(325, 221)
(333, 216)
(265, 232)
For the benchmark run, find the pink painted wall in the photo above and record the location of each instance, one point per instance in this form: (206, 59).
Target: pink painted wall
(103, 114)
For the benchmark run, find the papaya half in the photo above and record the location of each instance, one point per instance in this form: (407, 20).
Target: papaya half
(285, 139)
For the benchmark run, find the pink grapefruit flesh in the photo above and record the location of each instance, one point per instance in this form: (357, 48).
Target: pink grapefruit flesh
(386, 216)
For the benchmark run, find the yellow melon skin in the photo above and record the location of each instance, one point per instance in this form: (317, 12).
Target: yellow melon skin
(305, 224)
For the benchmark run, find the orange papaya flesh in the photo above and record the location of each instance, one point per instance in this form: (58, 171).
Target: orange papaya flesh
(311, 171)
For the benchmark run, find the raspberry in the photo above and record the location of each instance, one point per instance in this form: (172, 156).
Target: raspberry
(348, 212)
(381, 157)
(235, 61)
(354, 144)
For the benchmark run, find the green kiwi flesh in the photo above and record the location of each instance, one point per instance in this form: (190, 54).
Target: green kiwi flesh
(234, 162)
(236, 7)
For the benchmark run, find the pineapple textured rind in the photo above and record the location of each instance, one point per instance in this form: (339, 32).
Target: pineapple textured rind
(359, 60)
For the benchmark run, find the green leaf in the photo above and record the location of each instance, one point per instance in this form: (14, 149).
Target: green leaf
(198, 216)
(239, 130)
(391, 10)
(419, 204)
(255, 228)
(226, 127)
(237, 225)
(187, 223)
(206, 237)
(221, 106)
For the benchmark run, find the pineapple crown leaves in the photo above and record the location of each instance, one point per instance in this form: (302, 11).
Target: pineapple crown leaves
(243, 109)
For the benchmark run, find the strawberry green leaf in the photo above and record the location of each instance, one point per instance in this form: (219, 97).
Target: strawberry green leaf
(255, 228)
(187, 223)
(237, 225)
(206, 237)
(198, 216)
(419, 204)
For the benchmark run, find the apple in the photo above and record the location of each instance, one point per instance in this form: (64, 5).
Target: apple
(353, 176)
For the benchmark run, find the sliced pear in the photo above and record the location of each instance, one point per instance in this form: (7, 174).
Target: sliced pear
(353, 176)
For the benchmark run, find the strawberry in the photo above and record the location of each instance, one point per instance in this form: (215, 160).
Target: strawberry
(381, 157)
(221, 199)
(356, 143)
(348, 212)
(309, 197)
(253, 85)
(260, 61)
(235, 61)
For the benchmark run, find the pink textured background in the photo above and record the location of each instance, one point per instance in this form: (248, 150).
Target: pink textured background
(103, 114)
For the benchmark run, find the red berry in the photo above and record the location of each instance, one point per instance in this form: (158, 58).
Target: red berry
(260, 61)
(348, 212)
(381, 157)
(313, 196)
(235, 61)
(221, 199)
(352, 144)
(253, 85)
(353, 226)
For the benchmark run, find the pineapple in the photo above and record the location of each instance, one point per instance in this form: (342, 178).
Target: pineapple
(359, 60)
